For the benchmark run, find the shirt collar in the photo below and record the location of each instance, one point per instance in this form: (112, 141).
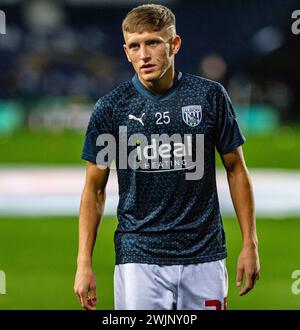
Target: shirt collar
(152, 96)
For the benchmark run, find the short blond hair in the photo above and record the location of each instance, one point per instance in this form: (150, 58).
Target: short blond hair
(149, 17)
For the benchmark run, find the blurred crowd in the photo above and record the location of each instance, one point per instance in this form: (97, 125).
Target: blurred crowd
(64, 62)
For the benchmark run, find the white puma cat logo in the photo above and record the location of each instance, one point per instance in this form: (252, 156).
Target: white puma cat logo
(137, 119)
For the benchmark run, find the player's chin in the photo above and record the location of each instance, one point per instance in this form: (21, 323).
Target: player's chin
(151, 76)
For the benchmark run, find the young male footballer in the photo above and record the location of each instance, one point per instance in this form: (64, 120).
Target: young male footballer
(162, 128)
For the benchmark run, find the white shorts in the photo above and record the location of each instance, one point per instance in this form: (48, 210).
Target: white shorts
(180, 287)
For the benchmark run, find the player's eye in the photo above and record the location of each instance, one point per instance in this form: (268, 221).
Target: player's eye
(133, 46)
(153, 42)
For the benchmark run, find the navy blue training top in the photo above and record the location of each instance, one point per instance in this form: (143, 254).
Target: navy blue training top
(165, 217)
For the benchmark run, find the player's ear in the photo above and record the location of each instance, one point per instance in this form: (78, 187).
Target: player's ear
(176, 43)
(126, 52)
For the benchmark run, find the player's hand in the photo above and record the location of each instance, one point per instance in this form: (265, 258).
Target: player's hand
(85, 287)
(248, 266)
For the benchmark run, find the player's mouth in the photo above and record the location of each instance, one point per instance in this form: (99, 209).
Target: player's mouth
(147, 68)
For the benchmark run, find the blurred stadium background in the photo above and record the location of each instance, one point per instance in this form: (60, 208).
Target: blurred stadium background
(58, 57)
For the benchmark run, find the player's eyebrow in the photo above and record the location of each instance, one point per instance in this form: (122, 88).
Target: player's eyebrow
(132, 44)
(149, 41)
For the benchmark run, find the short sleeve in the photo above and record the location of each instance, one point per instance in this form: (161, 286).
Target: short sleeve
(100, 122)
(228, 135)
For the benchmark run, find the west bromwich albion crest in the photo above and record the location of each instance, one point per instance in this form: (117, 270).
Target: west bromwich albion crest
(192, 114)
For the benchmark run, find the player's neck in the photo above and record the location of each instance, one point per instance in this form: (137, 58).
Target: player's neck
(160, 86)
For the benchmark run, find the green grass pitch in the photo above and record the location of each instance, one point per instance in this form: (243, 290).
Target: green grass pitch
(38, 256)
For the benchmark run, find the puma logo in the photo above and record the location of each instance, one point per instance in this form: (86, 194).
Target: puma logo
(137, 119)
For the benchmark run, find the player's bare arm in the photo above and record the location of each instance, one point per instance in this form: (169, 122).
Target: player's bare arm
(243, 201)
(91, 211)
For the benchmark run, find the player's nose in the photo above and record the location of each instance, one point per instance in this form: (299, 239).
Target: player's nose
(144, 52)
